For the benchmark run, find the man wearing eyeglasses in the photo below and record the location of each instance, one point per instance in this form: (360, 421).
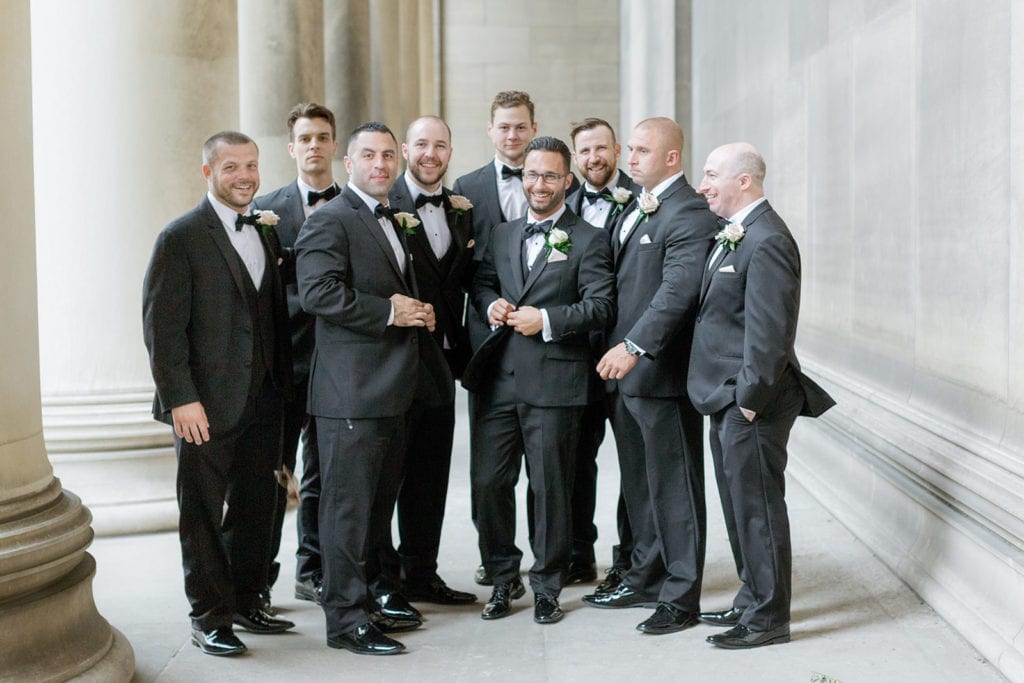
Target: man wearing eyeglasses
(545, 282)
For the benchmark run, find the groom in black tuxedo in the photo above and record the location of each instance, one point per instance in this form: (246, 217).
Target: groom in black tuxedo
(545, 283)
(659, 246)
(745, 375)
(215, 325)
(374, 356)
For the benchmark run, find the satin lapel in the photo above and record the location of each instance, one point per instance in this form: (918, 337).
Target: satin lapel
(295, 204)
(639, 220)
(375, 229)
(490, 194)
(709, 272)
(231, 257)
(515, 255)
(566, 222)
(402, 200)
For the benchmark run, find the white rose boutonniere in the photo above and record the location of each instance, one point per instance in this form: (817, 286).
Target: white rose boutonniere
(558, 240)
(407, 221)
(267, 218)
(648, 204)
(459, 204)
(730, 236)
(620, 197)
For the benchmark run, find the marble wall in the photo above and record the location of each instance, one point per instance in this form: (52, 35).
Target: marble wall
(893, 135)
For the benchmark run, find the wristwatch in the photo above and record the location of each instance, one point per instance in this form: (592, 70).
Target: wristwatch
(632, 349)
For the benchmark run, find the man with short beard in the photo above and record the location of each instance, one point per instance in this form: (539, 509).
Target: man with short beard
(215, 326)
(545, 283)
(441, 247)
(605, 193)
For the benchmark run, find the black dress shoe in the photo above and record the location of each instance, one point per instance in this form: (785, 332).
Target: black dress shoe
(482, 577)
(311, 589)
(729, 617)
(392, 624)
(739, 637)
(264, 601)
(667, 619)
(546, 609)
(623, 596)
(221, 642)
(366, 640)
(580, 572)
(500, 604)
(612, 578)
(395, 605)
(256, 620)
(437, 592)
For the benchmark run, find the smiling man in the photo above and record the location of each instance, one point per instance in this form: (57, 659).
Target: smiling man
(374, 356)
(545, 283)
(215, 325)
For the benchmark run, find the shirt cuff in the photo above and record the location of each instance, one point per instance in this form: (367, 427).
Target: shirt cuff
(391, 314)
(546, 330)
(493, 327)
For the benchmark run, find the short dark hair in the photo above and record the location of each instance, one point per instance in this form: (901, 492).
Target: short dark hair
(369, 127)
(228, 137)
(507, 99)
(546, 143)
(310, 110)
(589, 123)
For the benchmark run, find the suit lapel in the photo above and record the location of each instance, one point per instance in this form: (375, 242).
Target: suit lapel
(565, 222)
(224, 245)
(490, 193)
(515, 254)
(376, 231)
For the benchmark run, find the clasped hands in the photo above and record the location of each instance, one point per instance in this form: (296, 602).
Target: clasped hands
(525, 320)
(411, 312)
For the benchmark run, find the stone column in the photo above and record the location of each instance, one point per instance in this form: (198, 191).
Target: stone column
(124, 94)
(647, 42)
(44, 531)
(281, 63)
(347, 70)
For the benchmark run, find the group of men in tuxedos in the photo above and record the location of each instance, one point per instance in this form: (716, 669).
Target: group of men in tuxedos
(338, 317)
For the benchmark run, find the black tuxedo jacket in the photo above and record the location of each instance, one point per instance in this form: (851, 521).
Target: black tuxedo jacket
(577, 290)
(443, 283)
(658, 273)
(287, 202)
(743, 340)
(362, 367)
(199, 320)
(575, 200)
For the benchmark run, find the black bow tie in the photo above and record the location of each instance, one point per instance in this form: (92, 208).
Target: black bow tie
(541, 228)
(252, 219)
(507, 172)
(435, 199)
(594, 196)
(383, 211)
(722, 222)
(312, 197)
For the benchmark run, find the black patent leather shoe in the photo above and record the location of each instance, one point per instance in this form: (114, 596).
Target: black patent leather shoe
(393, 625)
(311, 589)
(256, 620)
(621, 597)
(437, 592)
(220, 642)
(729, 617)
(500, 604)
(580, 572)
(481, 577)
(667, 619)
(395, 605)
(739, 637)
(612, 579)
(546, 609)
(366, 640)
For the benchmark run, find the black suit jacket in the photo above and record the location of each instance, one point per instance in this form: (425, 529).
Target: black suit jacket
(743, 341)
(362, 367)
(658, 273)
(287, 202)
(443, 283)
(199, 320)
(575, 200)
(576, 289)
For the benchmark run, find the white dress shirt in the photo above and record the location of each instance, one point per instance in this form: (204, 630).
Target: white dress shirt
(510, 193)
(304, 191)
(596, 212)
(245, 241)
(433, 219)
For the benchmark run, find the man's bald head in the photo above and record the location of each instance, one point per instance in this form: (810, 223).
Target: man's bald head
(655, 151)
(733, 178)
(667, 130)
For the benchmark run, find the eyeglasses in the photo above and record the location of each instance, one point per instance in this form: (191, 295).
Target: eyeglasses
(548, 178)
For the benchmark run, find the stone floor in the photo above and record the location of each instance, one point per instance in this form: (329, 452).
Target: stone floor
(853, 620)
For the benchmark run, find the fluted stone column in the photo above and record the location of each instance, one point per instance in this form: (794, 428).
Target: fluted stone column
(124, 94)
(647, 40)
(49, 627)
(281, 63)
(347, 71)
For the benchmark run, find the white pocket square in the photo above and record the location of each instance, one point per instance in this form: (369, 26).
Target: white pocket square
(646, 239)
(557, 256)
(727, 269)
